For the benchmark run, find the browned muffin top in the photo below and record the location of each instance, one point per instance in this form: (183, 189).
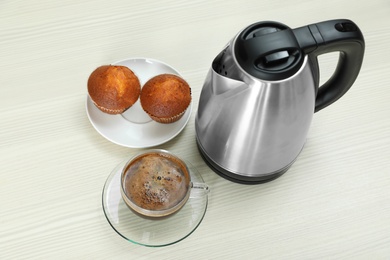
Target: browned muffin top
(113, 88)
(165, 95)
(156, 182)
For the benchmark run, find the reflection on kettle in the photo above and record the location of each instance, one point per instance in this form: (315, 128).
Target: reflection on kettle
(262, 90)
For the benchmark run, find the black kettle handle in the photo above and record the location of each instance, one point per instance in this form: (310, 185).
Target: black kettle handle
(339, 35)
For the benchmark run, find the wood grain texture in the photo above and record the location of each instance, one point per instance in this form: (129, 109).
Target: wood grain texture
(334, 202)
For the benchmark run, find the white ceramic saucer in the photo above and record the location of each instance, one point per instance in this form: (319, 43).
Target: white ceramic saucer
(134, 128)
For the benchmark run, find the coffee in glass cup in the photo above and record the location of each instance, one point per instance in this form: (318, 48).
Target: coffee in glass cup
(157, 183)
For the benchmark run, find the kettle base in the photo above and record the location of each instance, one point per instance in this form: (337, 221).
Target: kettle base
(239, 178)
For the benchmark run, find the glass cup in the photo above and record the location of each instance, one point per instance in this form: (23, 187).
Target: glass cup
(157, 183)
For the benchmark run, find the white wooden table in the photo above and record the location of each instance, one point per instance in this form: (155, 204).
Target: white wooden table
(333, 203)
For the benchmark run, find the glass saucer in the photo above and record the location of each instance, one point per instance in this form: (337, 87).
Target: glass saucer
(152, 232)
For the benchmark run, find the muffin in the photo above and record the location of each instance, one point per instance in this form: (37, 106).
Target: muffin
(113, 89)
(165, 98)
(155, 184)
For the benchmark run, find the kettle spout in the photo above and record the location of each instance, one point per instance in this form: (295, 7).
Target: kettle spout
(223, 75)
(220, 84)
(225, 65)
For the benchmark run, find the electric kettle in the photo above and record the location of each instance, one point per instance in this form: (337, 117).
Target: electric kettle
(261, 92)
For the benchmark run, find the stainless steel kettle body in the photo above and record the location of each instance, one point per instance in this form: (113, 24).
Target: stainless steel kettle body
(259, 97)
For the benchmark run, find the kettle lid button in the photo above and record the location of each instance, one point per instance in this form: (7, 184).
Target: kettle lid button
(277, 57)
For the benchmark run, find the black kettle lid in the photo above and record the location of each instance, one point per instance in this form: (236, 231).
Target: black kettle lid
(268, 50)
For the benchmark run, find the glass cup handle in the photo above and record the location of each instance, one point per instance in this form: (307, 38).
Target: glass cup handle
(199, 189)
